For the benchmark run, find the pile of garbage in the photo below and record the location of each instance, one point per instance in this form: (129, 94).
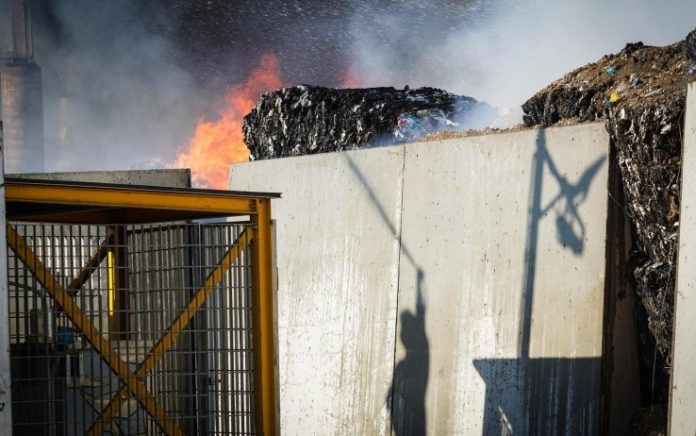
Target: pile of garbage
(640, 92)
(311, 119)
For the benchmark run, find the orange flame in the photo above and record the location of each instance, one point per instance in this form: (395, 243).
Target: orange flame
(216, 144)
(354, 77)
(350, 78)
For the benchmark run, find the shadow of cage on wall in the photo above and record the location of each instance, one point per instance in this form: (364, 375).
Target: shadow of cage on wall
(128, 318)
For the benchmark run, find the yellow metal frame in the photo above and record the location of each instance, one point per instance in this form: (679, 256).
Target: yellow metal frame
(173, 332)
(85, 195)
(160, 205)
(263, 315)
(91, 333)
(111, 281)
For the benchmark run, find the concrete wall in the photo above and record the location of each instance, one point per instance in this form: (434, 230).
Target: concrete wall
(338, 256)
(682, 419)
(494, 248)
(178, 178)
(622, 372)
(508, 234)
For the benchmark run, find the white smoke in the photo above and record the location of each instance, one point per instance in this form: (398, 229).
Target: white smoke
(117, 96)
(113, 96)
(503, 51)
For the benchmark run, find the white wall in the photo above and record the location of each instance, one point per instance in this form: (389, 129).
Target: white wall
(338, 255)
(683, 396)
(497, 343)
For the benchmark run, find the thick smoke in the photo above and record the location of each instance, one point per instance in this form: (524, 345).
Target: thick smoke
(126, 81)
(114, 96)
(503, 51)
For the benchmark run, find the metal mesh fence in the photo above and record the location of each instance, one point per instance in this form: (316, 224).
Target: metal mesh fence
(132, 283)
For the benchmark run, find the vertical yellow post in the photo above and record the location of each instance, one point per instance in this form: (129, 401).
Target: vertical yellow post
(265, 401)
(119, 305)
(110, 281)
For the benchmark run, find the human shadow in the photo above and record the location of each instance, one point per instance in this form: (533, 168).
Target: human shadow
(522, 395)
(406, 397)
(527, 395)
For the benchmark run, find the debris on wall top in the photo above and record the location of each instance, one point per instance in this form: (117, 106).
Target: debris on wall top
(311, 119)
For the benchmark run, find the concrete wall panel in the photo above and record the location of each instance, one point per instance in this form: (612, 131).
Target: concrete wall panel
(501, 298)
(176, 178)
(337, 249)
(497, 244)
(683, 395)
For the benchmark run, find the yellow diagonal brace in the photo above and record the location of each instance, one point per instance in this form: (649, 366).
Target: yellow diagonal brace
(91, 333)
(173, 332)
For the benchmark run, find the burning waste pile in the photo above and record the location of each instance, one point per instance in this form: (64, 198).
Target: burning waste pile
(311, 119)
(640, 92)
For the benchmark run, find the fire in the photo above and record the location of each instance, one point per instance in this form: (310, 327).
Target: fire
(350, 78)
(218, 143)
(355, 77)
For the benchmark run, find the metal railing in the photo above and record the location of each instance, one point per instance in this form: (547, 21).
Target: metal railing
(131, 329)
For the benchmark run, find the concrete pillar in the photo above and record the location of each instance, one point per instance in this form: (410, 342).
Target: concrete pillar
(682, 401)
(5, 398)
(22, 112)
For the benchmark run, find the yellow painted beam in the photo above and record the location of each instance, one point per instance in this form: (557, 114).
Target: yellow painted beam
(125, 198)
(174, 331)
(265, 388)
(64, 300)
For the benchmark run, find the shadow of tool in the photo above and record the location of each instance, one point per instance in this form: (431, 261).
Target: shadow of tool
(547, 396)
(570, 228)
(406, 396)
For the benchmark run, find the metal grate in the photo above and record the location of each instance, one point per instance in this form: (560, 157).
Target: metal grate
(165, 303)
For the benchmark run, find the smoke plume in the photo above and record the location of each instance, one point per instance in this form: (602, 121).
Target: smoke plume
(126, 81)
(503, 51)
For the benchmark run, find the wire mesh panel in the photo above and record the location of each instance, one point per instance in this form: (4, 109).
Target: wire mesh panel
(173, 304)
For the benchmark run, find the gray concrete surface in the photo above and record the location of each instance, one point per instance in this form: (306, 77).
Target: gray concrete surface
(22, 115)
(508, 258)
(180, 178)
(5, 391)
(682, 419)
(620, 336)
(494, 248)
(338, 255)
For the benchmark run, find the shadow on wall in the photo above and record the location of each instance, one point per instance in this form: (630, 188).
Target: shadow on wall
(532, 396)
(523, 395)
(547, 396)
(406, 396)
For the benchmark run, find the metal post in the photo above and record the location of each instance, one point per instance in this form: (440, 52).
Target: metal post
(265, 388)
(119, 319)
